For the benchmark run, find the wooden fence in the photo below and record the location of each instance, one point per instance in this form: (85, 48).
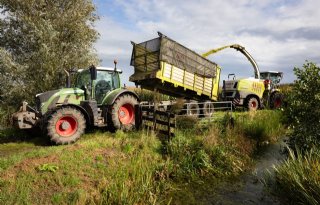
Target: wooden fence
(160, 121)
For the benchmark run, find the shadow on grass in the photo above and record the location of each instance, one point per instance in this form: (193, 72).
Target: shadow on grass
(11, 135)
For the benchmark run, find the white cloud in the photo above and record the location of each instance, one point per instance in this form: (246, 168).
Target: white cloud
(278, 34)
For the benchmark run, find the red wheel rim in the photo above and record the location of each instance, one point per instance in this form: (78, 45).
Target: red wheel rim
(66, 126)
(126, 114)
(277, 103)
(253, 104)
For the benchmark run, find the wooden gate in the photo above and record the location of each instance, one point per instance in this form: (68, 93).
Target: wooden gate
(162, 122)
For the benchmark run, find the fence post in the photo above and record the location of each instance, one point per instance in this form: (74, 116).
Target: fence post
(154, 120)
(169, 125)
(138, 116)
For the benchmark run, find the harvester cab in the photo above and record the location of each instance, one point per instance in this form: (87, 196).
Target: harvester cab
(271, 79)
(96, 99)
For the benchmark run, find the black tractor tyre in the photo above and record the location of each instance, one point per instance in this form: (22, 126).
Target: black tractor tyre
(276, 100)
(252, 104)
(65, 125)
(122, 113)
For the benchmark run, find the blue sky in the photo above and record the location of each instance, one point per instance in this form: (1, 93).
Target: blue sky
(279, 34)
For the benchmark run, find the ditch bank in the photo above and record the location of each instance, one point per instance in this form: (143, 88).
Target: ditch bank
(248, 188)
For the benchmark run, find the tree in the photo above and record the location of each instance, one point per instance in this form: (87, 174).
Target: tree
(40, 38)
(303, 108)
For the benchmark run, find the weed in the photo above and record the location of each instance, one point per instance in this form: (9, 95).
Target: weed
(47, 168)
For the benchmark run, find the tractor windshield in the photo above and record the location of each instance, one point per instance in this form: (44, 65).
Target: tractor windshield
(273, 77)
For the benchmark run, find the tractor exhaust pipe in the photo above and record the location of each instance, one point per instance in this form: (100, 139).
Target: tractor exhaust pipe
(68, 81)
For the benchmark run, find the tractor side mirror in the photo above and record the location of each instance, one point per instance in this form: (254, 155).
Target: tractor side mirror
(93, 72)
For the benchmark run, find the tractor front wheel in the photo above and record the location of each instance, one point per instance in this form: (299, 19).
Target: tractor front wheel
(252, 104)
(66, 125)
(122, 112)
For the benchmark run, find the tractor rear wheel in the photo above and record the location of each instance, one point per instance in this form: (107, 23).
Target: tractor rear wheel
(122, 112)
(276, 100)
(252, 104)
(65, 125)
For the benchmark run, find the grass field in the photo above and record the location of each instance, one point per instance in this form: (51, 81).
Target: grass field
(128, 168)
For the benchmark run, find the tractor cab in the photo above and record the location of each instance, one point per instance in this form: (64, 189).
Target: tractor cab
(274, 76)
(271, 78)
(105, 80)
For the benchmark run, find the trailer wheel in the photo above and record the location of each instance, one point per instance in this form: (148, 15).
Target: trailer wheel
(208, 109)
(276, 100)
(252, 104)
(193, 109)
(122, 112)
(65, 125)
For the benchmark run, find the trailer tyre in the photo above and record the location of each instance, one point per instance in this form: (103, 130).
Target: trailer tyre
(208, 109)
(123, 113)
(65, 125)
(252, 104)
(193, 109)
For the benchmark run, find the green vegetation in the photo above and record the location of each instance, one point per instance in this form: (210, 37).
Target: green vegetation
(298, 178)
(126, 168)
(38, 39)
(303, 110)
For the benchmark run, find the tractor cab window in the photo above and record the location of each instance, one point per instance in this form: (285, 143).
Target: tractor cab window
(106, 81)
(274, 77)
(84, 81)
(264, 76)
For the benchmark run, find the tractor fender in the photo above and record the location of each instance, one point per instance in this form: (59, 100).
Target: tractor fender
(89, 120)
(113, 95)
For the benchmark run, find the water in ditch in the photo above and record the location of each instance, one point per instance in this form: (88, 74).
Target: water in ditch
(247, 189)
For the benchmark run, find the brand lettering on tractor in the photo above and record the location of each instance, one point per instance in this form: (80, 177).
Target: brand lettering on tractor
(256, 87)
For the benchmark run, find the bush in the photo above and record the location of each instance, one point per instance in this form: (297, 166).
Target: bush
(303, 111)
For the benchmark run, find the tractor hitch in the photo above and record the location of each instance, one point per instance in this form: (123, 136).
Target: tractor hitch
(26, 117)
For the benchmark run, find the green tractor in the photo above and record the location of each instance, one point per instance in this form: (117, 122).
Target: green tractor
(96, 100)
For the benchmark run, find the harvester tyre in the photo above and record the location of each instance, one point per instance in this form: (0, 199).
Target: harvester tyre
(65, 125)
(276, 100)
(123, 113)
(252, 104)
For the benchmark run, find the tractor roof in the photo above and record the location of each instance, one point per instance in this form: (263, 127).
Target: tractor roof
(108, 69)
(270, 72)
(104, 69)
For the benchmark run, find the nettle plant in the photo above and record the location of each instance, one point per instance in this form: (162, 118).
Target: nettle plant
(303, 109)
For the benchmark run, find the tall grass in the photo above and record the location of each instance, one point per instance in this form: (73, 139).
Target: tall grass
(218, 148)
(265, 125)
(298, 178)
